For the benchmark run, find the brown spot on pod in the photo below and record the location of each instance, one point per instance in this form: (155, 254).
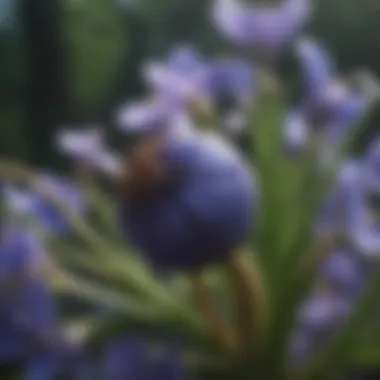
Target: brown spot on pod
(144, 169)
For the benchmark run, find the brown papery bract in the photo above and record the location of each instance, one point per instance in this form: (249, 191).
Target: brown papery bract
(144, 170)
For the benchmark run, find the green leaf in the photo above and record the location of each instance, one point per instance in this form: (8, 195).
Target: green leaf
(65, 283)
(266, 123)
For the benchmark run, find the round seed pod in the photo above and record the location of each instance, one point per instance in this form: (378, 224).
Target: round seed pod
(187, 200)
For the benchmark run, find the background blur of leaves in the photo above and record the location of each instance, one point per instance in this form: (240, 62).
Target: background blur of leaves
(82, 58)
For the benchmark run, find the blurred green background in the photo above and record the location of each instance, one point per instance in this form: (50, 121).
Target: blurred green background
(71, 62)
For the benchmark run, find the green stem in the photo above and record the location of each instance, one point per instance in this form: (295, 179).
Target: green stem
(219, 328)
(248, 293)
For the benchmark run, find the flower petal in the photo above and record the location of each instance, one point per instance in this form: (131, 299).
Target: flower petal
(317, 67)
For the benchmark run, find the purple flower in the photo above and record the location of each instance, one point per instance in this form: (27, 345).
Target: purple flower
(232, 78)
(28, 310)
(264, 28)
(371, 166)
(145, 117)
(184, 59)
(80, 144)
(344, 272)
(333, 104)
(203, 214)
(27, 321)
(363, 227)
(349, 208)
(319, 318)
(179, 80)
(316, 65)
(324, 312)
(22, 255)
(335, 209)
(229, 85)
(64, 191)
(41, 209)
(87, 146)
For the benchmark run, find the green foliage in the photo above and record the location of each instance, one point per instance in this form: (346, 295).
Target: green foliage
(97, 41)
(99, 267)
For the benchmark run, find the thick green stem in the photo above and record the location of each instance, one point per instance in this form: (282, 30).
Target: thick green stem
(248, 294)
(215, 322)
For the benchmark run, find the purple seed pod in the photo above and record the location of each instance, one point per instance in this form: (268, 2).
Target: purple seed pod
(188, 201)
(201, 213)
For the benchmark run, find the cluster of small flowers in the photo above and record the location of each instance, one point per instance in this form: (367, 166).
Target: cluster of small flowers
(350, 211)
(206, 211)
